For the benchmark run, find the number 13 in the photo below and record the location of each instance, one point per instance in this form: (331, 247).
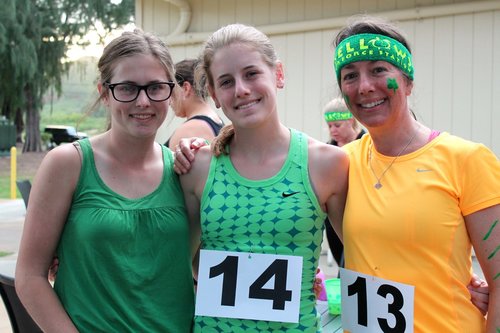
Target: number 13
(359, 288)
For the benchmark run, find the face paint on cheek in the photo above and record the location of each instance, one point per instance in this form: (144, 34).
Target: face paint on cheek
(346, 100)
(392, 84)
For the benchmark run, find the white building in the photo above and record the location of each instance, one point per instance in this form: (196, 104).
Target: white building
(455, 46)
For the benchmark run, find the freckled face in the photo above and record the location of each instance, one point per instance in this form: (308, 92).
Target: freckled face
(245, 85)
(141, 117)
(377, 92)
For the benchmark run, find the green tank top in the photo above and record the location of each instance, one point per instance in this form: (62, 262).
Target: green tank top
(279, 215)
(125, 264)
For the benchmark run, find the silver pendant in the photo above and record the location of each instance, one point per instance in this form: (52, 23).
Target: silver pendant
(377, 185)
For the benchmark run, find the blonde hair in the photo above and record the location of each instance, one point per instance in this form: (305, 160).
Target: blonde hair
(225, 36)
(338, 105)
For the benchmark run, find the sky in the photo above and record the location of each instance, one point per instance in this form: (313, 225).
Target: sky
(94, 49)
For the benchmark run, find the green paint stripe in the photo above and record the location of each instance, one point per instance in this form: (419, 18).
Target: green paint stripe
(489, 231)
(494, 252)
(496, 276)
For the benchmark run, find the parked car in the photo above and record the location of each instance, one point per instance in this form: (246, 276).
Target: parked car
(63, 134)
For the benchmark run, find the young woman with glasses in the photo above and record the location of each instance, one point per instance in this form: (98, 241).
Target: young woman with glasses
(111, 208)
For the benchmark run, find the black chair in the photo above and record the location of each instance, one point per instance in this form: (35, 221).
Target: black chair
(24, 187)
(20, 320)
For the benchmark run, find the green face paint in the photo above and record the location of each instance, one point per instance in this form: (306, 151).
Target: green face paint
(489, 231)
(496, 276)
(494, 252)
(392, 84)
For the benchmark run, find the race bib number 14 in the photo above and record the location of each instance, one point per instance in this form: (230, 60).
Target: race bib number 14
(375, 305)
(249, 286)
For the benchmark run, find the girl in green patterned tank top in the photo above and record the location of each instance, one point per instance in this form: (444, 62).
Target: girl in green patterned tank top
(262, 192)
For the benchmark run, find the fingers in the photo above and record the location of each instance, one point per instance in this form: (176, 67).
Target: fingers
(479, 292)
(480, 298)
(54, 266)
(476, 281)
(182, 163)
(184, 153)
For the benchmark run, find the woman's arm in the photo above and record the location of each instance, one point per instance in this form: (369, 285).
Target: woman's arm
(329, 172)
(484, 231)
(50, 200)
(193, 184)
(184, 153)
(193, 128)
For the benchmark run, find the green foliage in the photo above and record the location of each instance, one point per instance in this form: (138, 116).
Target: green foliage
(34, 38)
(5, 187)
(73, 105)
(4, 253)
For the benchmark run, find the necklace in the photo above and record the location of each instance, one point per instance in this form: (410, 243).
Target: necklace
(378, 184)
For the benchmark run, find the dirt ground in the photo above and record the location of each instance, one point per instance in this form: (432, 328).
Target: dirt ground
(27, 163)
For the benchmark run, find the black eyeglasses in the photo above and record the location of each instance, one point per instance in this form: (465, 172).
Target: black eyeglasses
(128, 92)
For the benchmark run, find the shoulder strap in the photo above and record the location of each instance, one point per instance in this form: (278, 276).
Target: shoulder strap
(216, 127)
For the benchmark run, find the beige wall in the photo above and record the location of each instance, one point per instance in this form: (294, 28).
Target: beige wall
(456, 48)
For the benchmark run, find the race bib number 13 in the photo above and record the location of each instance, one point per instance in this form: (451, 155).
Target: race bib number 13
(375, 305)
(249, 286)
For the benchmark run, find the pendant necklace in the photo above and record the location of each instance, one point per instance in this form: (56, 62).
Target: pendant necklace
(378, 184)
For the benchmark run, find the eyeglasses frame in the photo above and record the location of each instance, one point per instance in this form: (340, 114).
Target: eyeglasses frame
(112, 86)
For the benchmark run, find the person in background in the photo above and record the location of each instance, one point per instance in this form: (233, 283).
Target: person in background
(190, 102)
(263, 188)
(112, 209)
(343, 128)
(427, 196)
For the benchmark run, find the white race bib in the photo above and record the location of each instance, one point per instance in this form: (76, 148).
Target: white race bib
(373, 305)
(249, 286)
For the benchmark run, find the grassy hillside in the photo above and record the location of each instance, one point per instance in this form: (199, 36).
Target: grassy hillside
(79, 92)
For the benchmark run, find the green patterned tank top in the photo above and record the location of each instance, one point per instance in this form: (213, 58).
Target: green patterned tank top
(279, 215)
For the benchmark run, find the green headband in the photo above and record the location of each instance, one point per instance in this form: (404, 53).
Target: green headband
(372, 47)
(337, 115)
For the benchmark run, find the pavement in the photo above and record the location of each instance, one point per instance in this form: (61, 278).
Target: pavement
(12, 213)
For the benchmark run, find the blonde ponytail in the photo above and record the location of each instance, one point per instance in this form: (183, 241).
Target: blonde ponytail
(224, 138)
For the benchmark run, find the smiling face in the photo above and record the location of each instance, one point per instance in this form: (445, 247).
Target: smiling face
(376, 92)
(244, 85)
(141, 117)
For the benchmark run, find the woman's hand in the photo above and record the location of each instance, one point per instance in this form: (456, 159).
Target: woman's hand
(184, 153)
(479, 292)
(54, 267)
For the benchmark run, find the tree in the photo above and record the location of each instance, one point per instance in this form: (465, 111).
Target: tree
(34, 38)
